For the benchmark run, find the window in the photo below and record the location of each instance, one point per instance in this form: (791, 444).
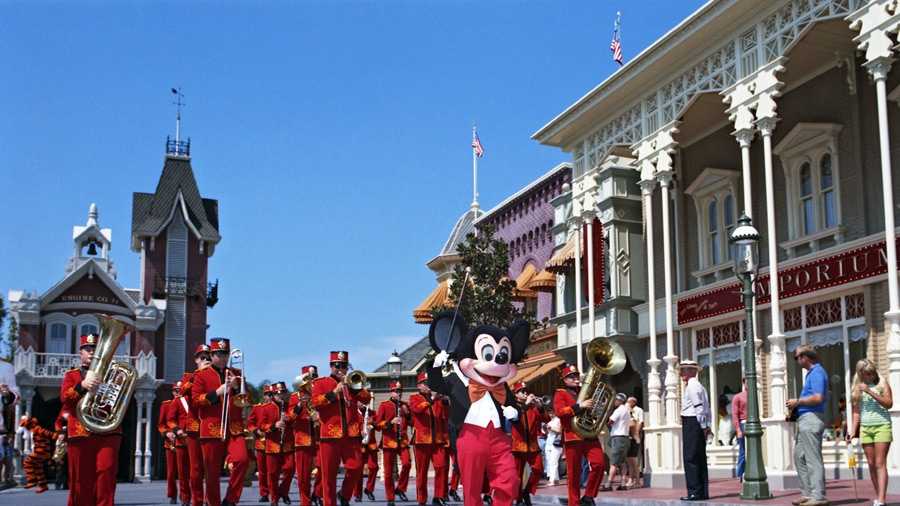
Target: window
(88, 328)
(713, 194)
(58, 338)
(809, 157)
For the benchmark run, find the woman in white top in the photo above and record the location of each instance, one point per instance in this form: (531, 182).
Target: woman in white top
(553, 450)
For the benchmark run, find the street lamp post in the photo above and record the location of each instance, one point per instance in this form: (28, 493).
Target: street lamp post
(745, 239)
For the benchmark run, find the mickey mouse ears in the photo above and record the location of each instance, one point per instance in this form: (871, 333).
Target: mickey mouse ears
(446, 331)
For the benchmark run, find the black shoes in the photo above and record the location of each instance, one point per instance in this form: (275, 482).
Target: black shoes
(285, 499)
(391, 503)
(455, 496)
(402, 496)
(172, 500)
(263, 498)
(487, 499)
(344, 502)
(526, 498)
(693, 497)
(437, 501)
(358, 498)
(369, 495)
(586, 501)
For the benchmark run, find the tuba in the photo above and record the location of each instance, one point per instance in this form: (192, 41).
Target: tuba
(103, 410)
(606, 358)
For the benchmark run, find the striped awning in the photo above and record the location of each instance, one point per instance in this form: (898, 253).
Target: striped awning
(563, 258)
(531, 372)
(544, 281)
(439, 297)
(522, 291)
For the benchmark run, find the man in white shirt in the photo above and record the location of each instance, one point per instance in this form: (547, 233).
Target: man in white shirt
(695, 418)
(637, 438)
(619, 422)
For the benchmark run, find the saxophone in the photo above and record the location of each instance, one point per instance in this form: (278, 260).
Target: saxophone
(102, 411)
(607, 358)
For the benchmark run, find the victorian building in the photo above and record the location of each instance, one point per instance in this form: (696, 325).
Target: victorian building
(175, 231)
(783, 110)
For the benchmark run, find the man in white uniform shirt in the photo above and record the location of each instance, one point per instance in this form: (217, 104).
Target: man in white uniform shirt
(619, 422)
(695, 418)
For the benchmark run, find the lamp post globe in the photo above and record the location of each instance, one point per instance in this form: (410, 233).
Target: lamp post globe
(745, 243)
(395, 366)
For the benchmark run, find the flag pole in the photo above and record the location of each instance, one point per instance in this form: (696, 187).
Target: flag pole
(474, 171)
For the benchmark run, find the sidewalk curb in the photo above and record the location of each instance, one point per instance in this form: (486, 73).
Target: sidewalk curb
(563, 501)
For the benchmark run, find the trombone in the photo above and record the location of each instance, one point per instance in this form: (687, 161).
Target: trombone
(240, 399)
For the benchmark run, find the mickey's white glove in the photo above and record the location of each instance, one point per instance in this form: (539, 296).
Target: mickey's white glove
(440, 359)
(510, 413)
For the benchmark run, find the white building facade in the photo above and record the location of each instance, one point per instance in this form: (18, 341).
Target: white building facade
(784, 110)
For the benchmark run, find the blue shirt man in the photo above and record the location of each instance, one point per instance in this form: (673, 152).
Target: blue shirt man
(816, 383)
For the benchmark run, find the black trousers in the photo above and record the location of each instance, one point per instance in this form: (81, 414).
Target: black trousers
(693, 448)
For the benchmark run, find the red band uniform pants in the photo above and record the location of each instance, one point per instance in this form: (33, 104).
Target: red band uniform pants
(214, 450)
(534, 460)
(280, 468)
(487, 451)
(93, 461)
(592, 450)
(331, 453)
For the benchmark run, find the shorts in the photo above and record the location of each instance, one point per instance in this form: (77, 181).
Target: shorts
(880, 433)
(618, 447)
(634, 448)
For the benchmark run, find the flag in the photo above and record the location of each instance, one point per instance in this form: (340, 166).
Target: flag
(476, 145)
(616, 45)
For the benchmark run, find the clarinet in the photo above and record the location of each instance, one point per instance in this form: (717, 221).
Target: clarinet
(365, 438)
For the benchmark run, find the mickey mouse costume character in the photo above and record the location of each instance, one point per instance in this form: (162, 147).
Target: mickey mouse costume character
(483, 360)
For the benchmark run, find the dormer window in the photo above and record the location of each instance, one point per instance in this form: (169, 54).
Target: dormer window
(713, 193)
(809, 158)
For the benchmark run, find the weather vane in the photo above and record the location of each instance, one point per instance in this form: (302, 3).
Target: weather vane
(179, 103)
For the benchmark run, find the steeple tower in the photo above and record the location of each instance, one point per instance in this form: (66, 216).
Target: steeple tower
(90, 242)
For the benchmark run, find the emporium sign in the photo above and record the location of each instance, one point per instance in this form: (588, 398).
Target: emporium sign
(835, 270)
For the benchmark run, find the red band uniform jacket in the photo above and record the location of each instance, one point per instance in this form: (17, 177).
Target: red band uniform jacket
(269, 414)
(424, 414)
(565, 406)
(338, 414)
(526, 429)
(71, 393)
(384, 417)
(302, 425)
(209, 405)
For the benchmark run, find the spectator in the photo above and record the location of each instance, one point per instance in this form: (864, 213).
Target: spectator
(553, 450)
(636, 432)
(695, 420)
(871, 399)
(739, 419)
(618, 441)
(7, 436)
(810, 415)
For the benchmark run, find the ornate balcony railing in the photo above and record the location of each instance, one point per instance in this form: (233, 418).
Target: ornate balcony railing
(55, 365)
(178, 148)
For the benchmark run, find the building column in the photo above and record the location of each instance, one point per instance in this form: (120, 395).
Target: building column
(744, 138)
(778, 432)
(148, 425)
(654, 383)
(589, 216)
(138, 432)
(18, 442)
(575, 223)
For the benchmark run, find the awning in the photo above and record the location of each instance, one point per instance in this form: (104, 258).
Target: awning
(439, 297)
(522, 291)
(522, 373)
(532, 372)
(544, 281)
(563, 258)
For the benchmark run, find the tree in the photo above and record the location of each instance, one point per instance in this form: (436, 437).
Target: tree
(6, 344)
(11, 341)
(487, 297)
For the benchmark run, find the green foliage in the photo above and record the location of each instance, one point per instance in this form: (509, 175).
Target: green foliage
(488, 295)
(9, 340)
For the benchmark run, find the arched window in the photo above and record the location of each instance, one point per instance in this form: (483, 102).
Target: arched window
(826, 182)
(87, 328)
(807, 204)
(715, 250)
(729, 218)
(58, 338)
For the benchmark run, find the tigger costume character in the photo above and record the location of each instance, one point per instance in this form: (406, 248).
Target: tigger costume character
(483, 360)
(34, 463)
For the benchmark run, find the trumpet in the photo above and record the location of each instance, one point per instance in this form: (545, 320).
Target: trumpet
(303, 384)
(240, 399)
(356, 380)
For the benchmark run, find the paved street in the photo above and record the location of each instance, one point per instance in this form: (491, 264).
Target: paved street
(723, 492)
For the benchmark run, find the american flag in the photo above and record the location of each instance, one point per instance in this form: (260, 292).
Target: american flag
(616, 46)
(476, 145)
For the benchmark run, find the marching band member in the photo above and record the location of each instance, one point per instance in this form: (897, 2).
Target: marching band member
(166, 426)
(392, 420)
(566, 408)
(259, 445)
(189, 424)
(441, 457)
(369, 458)
(454, 466)
(93, 458)
(425, 409)
(303, 420)
(207, 393)
(273, 420)
(338, 429)
(525, 447)
(177, 419)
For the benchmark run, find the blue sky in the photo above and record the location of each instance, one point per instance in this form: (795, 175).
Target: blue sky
(335, 135)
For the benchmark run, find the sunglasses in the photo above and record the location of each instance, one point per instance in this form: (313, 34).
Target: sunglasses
(339, 366)
(204, 356)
